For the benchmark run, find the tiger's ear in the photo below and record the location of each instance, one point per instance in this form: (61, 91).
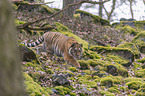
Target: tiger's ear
(81, 45)
(73, 44)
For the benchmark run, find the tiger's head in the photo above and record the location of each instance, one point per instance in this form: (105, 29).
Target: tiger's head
(76, 50)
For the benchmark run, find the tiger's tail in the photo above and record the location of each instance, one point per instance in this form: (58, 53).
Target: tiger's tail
(36, 43)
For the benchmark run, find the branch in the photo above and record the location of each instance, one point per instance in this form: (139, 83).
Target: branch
(48, 17)
(37, 4)
(47, 28)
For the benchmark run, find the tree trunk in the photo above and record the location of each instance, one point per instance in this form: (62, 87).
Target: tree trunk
(100, 9)
(70, 11)
(11, 83)
(131, 10)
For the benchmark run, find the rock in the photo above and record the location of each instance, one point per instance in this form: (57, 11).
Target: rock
(60, 79)
(27, 54)
(112, 70)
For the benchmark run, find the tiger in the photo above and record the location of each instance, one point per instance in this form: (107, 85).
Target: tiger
(61, 45)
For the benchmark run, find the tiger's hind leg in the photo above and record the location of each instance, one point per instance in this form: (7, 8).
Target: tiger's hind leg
(71, 60)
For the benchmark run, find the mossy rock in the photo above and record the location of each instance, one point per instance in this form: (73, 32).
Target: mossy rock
(85, 80)
(94, 17)
(47, 9)
(107, 81)
(87, 54)
(142, 48)
(17, 22)
(73, 69)
(28, 54)
(114, 90)
(62, 90)
(32, 88)
(132, 47)
(106, 93)
(140, 36)
(117, 59)
(65, 30)
(140, 73)
(84, 65)
(124, 52)
(140, 94)
(134, 85)
(132, 79)
(141, 60)
(140, 24)
(129, 29)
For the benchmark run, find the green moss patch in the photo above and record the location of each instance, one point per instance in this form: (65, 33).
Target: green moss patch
(124, 52)
(131, 46)
(140, 73)
(106, 93)
(106, 81)
(32, 87)
(95, 17)
(134, 85)
(85, 80)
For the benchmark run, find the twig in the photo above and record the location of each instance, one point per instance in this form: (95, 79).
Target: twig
(48, 17)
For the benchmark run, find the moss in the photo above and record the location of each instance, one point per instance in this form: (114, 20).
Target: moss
(62, 90)
(72, 94)
(139, 36)
(132, 79)
(140, 24)
(76, 15)
(117, 59)
(90, 54)
(47, 9)
(32, 88)
(85, 80)
(95, 62)
(140, 94)
(134, 85)
(69, 73)
(17, 22)
(73, 69)
(113, 90)
(15, 6)
(84, 64)
(106, 93)
(140, 73)
(123, 89)
(94, 17)
(141, 60)
(131, 46)
(129, 29)
(124, 52)
(133, 91)
(117, 79)
(49, 71)
(107, 81)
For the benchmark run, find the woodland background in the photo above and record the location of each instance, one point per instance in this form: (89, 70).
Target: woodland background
(113, 61)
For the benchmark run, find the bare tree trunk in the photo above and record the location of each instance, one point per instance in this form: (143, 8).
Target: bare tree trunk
(11, 83)
(131, 10)
(100, 8)
(70, 11)
(109, 14)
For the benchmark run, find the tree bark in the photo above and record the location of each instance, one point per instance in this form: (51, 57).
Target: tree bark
(70, 11)
(100, 9)
(11, 83)
(131, 10)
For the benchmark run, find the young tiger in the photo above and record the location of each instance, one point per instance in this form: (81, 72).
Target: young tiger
(61, 45)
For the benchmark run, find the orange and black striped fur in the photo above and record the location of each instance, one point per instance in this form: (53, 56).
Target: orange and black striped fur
(61, 45)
